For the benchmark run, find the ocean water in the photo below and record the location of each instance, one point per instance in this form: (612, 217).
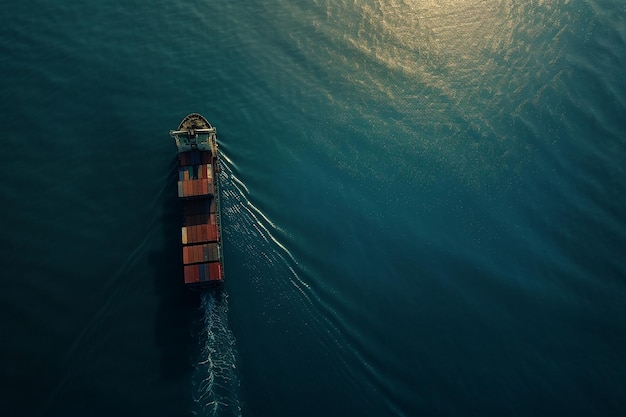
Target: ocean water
(424, 208)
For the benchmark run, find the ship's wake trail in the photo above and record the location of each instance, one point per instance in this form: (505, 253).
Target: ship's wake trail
(216, 385)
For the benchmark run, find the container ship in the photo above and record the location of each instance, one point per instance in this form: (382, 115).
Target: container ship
(198, 189)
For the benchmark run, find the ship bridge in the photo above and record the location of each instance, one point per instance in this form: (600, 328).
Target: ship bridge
(195, 132)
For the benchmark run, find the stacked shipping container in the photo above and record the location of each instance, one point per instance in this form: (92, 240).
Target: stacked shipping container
(200, 234)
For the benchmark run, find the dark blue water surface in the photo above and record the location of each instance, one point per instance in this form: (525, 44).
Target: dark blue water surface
(424, 208)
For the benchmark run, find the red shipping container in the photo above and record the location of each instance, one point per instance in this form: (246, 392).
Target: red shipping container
(203, 233)
(200, 237)
(192, 277)
(187, 275)
(215, 271)
(189, 254)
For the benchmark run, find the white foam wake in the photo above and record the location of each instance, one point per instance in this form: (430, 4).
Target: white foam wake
(216, 384)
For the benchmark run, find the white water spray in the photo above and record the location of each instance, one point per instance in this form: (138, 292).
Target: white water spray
(216, 385)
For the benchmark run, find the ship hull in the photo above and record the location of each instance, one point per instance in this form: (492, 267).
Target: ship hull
(198, 190)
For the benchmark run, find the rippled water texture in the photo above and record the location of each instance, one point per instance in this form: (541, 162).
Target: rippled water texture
(423, 208)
